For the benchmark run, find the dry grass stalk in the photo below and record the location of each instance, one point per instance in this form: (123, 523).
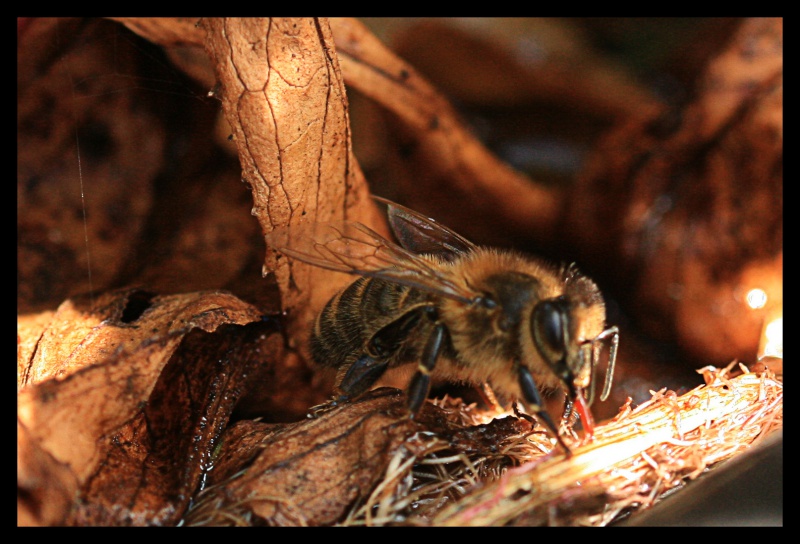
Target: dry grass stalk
(633, 460)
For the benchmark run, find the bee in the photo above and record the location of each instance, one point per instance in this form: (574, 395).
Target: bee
(460, 311)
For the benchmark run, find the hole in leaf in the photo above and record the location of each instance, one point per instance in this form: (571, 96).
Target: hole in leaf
(138, 303)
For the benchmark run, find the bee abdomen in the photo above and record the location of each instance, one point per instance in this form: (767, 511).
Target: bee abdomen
(350, 319)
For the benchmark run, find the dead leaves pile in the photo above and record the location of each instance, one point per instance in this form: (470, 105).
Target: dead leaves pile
(148, 342)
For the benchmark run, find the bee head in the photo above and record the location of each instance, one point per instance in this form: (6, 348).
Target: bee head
(568, 332)
(553, 331)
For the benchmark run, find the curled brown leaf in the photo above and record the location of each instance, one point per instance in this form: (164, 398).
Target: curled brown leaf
(688, 205)
(448, 162)
(126, 407)
(307, 473)
(284, 98)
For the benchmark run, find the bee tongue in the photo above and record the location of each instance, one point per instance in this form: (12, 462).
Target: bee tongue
(585, 414)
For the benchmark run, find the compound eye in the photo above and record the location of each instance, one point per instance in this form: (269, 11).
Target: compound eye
(549, 329)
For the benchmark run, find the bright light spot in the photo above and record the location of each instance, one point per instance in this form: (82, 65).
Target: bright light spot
(756, 298)
(774, 334)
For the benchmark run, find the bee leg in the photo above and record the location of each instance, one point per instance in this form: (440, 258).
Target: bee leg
(534, 399)
(318, 410)
(522, 415)
(379, 351)
(420, 384)
(568, 413)
(489, 398)
(361, 375)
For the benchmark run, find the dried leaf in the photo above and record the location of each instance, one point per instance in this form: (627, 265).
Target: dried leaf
(118, 180)
(510, 62)
(284, 99)
(455, 163)
(445, 160)
(121, 154)
(690, 203)
(306, 473)
(124, 399)
(45, 487)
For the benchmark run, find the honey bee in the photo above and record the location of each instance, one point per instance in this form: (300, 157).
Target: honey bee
(461, 312)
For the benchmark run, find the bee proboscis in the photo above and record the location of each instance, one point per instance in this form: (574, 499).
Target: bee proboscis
(462, 312)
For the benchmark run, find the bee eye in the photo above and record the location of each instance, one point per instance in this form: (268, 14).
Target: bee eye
(549, 328)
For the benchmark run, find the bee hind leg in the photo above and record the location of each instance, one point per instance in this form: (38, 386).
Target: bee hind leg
(360, 376)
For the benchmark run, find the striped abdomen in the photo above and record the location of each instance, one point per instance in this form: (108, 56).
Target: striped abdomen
(350, 319)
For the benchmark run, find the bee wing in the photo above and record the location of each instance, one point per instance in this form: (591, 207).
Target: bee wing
(356, 249)
(423, 235)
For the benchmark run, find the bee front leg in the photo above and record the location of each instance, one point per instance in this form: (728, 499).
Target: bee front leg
(420, 384)
(534, 400)
(567, 419)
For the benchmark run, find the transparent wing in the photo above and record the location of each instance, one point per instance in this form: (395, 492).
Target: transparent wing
(354, 248)
(423, 235)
